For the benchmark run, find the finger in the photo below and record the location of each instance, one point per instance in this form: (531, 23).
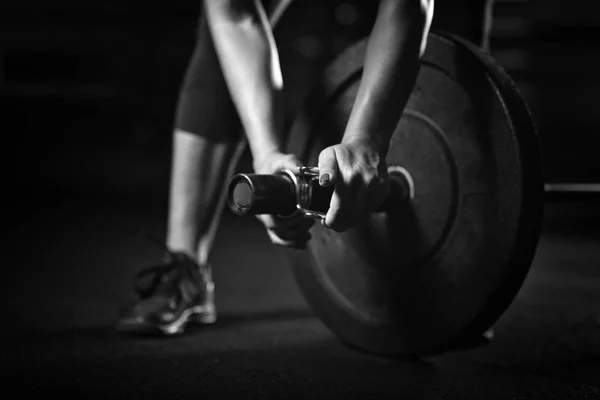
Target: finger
(296, 243)
(328, 167)
(296, 222)
(271, 220)
(348, 205)
(267, 220)
(376, 197)
(359, 210)
(341, 218)
(293, 232)
(334, 217)
(291, 242)
(288, 221)
(379, 190)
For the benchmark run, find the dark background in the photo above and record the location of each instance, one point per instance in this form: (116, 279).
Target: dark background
(88, 97)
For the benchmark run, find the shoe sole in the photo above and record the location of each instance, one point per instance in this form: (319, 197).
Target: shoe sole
(204, 315)
(199, 314)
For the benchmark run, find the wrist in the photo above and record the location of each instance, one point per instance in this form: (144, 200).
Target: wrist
(261, 157)
(263, 147)
(380, 143)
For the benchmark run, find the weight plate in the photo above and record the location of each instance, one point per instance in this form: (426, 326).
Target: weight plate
(446, 264)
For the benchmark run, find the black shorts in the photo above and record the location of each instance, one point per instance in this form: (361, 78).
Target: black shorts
(204, 105)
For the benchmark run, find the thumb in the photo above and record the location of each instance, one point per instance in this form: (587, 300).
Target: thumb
(328, 167)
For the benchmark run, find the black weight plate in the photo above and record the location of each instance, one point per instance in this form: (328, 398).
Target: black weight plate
(447, 263)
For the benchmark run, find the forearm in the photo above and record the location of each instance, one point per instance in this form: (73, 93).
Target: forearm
(391, 66)
(248, 56)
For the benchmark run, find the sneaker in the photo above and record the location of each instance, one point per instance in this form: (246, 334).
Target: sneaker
(170, 296)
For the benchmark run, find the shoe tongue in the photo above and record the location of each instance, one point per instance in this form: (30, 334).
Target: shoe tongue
(170, 255)
(178, 257)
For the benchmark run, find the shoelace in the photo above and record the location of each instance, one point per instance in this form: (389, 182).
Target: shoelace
(177, 264)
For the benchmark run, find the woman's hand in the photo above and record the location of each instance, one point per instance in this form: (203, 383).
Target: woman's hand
(358, 170)
(290, 231)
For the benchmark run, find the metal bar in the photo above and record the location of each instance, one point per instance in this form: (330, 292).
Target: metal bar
(572, 191)
(572, 187)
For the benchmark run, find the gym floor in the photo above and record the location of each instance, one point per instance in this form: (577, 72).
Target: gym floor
(71, 263)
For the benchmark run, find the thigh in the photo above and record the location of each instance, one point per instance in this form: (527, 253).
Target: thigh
(205, 107)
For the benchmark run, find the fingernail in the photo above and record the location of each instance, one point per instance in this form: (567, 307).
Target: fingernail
(324, 178)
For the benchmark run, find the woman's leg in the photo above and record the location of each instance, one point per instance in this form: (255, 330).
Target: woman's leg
(207, 146)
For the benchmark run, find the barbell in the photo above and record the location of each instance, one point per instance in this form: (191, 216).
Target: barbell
(448, 252)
